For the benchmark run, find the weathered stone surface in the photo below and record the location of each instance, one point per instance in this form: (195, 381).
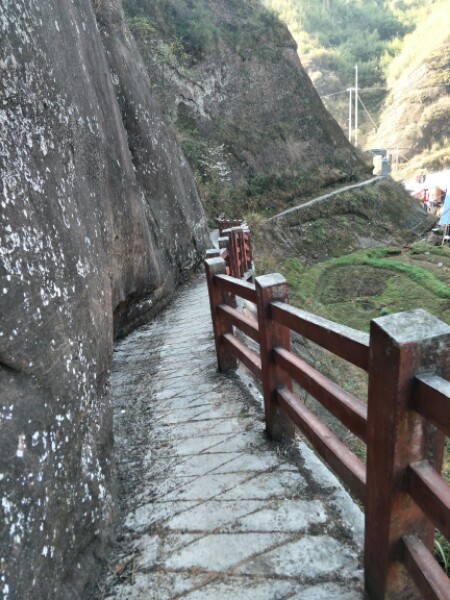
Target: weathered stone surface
(93, 191)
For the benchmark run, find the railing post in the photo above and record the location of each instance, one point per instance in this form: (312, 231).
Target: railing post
(212, 253)
(268, 289)
(401, 346)
(237, 233)
(216, 266)
(234, 250)
(246, 245)
(228, 233)
(224, 244)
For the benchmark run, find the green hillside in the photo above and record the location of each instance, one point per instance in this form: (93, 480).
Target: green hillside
(357, 256)
(370, 283)
(383, 37)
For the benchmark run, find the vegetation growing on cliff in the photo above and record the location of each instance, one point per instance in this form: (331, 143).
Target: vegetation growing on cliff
(341, 33)
(246, 115)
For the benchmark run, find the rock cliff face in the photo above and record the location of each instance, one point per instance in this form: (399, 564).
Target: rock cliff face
(244, 108)
(416, 114)
(99, 220)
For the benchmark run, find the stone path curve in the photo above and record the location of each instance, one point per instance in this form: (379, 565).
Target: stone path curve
(212, 509)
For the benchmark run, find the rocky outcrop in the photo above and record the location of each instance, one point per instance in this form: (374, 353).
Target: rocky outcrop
(244, 107)
(416, 114)
(99, 220)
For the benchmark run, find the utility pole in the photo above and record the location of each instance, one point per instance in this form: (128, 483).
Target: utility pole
(356, 105)
(350, 114)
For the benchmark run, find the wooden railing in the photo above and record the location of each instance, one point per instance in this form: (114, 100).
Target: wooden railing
(407, 357)
(223, 224)
(235, 249)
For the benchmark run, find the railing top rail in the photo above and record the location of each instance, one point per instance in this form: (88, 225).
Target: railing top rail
(237, 287)
(350, 344)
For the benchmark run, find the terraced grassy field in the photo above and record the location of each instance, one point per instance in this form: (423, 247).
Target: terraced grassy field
(355, 288)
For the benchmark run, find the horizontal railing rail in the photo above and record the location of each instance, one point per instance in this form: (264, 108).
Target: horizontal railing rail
(432, 400)
(403, 423)
(328, 445)
(343, 405)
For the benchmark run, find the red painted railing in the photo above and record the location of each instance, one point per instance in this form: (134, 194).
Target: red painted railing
(223, 224)
(407, 357)
(235, 249)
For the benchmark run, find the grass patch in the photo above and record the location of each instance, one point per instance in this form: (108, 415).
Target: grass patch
(417, 274)
(356, 288)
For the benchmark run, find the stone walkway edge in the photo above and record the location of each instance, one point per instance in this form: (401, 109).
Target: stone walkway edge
(211, 508)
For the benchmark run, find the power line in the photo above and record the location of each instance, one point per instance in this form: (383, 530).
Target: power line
(367, 113)
(335, 94)
(368, 89)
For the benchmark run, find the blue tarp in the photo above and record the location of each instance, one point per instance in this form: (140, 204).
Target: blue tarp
(445, 217)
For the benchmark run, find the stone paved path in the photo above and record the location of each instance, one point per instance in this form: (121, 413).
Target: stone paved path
(341, 190)
(212, 509)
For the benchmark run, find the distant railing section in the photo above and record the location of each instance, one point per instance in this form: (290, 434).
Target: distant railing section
(235, 248)
(223, 223)
(407, 357)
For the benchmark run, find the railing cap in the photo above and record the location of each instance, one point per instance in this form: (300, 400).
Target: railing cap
(412, 326)
(265, 281)
(217, 260)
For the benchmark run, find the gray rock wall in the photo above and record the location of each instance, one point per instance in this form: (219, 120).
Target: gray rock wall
(246, 110)
(99, 219)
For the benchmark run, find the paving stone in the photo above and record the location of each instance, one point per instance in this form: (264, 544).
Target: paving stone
(178, 390)
(218, 552)
(319, 472)
(204, 444)
(308, 558)
(148, 548)
(248, 440)
(188, 429)
(152, 549)
(243, 589)
(329, 591)
(200, 464)
(277, 484)
(349, 512)
(182, 414)
(205, 487)
(214, 514)
(262, 461)
(158, 586)
(145, 516)
(288, 515)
